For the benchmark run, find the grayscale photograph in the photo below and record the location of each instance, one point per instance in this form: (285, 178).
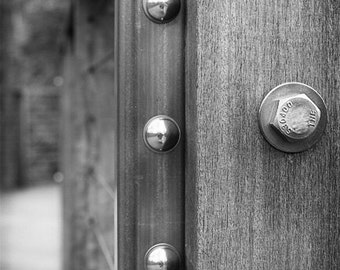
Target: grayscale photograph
(169, 135)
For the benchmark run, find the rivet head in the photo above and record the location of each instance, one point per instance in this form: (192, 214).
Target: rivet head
(293, 117)
(161, 11)
(161, 134)
(162, 257)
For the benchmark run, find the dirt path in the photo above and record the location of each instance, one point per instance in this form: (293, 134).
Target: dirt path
(30, 229)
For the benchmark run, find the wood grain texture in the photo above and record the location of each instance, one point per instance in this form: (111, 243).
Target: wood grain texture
(150, 76)
(248, 205)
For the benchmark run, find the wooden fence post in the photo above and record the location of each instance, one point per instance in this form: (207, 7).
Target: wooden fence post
(89, 138)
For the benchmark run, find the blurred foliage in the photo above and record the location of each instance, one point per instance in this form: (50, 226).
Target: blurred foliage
(44, 44)
(39, 32)
(32, 38)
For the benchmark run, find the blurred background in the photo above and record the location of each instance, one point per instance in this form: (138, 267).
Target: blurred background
(57, 135)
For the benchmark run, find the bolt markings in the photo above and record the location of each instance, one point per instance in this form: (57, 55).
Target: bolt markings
(312, 118)
(286, 124)
(284, 110)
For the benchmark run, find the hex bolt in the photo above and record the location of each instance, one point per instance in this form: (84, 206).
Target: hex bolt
(292, 117)
(296, 118)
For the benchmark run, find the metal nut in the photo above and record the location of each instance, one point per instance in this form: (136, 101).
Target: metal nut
(296, 118)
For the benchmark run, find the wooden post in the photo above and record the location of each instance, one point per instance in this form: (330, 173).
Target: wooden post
(250, 206)
(89, 138)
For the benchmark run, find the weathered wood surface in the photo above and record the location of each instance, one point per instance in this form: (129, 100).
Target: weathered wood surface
(248, 205)
(150, 82)
(89, 139)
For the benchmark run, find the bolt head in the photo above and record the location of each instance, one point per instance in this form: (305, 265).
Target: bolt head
(161, 11)
(162, 257)
(161, 134)
(293, 117)
(296, 117)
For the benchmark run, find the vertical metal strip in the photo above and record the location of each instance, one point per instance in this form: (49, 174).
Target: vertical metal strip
(150, 80)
